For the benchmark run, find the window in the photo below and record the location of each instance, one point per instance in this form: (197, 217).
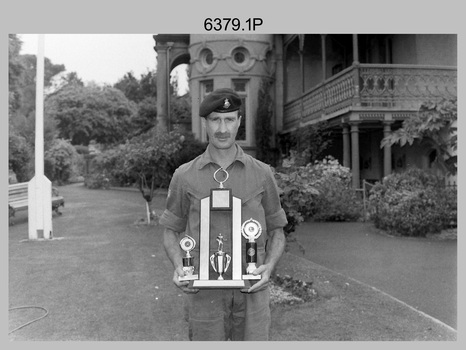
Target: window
(206, 57)
(240, 86)
(240, 56)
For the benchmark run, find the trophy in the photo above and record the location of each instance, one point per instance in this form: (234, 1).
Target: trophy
(251, 230)
(220, 199)
(188, 243)
(220, 260)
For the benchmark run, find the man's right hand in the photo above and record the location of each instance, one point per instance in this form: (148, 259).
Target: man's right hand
(183, 285)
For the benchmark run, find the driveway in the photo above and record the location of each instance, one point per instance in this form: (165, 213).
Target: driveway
(418, 271)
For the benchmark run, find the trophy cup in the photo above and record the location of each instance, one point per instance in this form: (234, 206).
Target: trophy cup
(220, 260)
(251, 230)
(188, 243)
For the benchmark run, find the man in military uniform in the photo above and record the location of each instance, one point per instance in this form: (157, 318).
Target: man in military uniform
(222, 314)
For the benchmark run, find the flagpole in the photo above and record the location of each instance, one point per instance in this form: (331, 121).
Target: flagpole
(40, 188)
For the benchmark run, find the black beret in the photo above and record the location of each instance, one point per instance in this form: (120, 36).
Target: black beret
(221, 100)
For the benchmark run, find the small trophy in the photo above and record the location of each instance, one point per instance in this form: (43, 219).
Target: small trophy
(220, 260)
(188, 243)
(251, 230)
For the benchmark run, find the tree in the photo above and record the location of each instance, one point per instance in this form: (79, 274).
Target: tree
(15, 70)
(150, 158)
(436, 124)
(85, 113)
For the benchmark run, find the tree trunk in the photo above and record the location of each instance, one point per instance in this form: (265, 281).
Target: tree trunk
(148, 212)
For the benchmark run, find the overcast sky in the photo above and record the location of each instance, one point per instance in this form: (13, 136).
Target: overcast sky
(102, 58)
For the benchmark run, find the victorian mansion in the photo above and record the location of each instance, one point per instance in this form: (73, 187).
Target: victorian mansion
(362, 85)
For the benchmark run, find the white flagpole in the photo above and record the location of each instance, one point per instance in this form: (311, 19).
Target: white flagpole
(40, 188)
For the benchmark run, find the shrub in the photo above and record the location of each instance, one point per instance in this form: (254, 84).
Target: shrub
(97, 181)
(337, 201)
(296, 194)
(20, 156)
(321, 191)
(60, 160)
(412, 203)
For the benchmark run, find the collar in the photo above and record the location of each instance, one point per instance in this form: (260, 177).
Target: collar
(206, 158)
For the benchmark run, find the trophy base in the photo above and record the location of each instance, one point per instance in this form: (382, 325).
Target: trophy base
(252, 277)
(188, 278)
(218, 284)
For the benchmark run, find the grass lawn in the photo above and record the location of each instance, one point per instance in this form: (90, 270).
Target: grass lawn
(103, 277)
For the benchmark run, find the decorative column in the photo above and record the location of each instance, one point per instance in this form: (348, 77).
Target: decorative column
(355, 154)
(324, 56)
(387, 150)
(346, 147)
(356, 97)
(162, 93)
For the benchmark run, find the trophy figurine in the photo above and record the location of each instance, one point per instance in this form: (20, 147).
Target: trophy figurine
(220, 260)
(251, 230)
(188, 243)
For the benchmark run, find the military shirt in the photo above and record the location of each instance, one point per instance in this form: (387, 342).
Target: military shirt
(249, 179)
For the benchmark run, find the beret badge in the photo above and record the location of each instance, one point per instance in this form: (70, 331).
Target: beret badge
(226, 104)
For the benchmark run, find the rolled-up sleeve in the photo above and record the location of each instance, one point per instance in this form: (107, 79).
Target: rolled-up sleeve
(175, 215)
(275, 216)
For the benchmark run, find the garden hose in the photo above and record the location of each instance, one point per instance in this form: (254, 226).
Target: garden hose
(28, 323)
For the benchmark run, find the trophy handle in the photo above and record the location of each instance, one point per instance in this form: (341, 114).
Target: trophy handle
(228, 262)
(212, 262)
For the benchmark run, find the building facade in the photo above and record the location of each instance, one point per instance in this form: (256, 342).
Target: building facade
(362, 85)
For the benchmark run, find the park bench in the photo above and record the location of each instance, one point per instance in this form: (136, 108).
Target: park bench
(18, 199)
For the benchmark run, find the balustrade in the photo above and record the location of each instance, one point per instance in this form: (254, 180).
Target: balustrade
(381, 87)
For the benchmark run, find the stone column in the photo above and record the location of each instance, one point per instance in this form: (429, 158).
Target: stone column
(324, 57)
(162, 93)
(346, 147)
(387, 150)
(355, 154)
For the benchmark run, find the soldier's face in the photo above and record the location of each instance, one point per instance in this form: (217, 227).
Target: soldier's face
(222, 128)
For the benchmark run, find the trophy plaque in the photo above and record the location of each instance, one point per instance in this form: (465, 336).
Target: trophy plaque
(187, 244)
(251, 230)
(212, 267)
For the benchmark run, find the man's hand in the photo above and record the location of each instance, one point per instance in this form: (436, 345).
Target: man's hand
(183, 285)
(263, 270)
(274, 252)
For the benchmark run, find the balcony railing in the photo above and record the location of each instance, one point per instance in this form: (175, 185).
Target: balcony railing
(373, 88)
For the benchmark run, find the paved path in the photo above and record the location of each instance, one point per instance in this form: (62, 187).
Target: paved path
(420, 272)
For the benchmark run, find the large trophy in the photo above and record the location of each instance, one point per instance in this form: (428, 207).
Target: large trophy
(213, 267)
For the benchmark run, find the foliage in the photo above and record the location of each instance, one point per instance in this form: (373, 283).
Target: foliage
(150, 159)
(337, 201)
(321, 191)
(85, 113)
(296, 193)
(413, 203)
(434, 123)
(97, 181)
(15, 71)
(308, 143)
(137, 90)
(20, 155)
(59, 161)
(264, 150)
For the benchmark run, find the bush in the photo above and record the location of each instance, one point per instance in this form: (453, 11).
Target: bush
(296, 194)
(97, 181)
(20, 157)
(413, 203)
(337, 201)
(60, 161)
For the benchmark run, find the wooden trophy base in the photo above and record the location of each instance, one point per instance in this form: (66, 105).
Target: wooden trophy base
(218, 284)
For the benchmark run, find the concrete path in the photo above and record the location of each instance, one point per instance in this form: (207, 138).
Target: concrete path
(418, 271)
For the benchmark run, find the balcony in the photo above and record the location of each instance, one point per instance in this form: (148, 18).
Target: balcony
(371, 88)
